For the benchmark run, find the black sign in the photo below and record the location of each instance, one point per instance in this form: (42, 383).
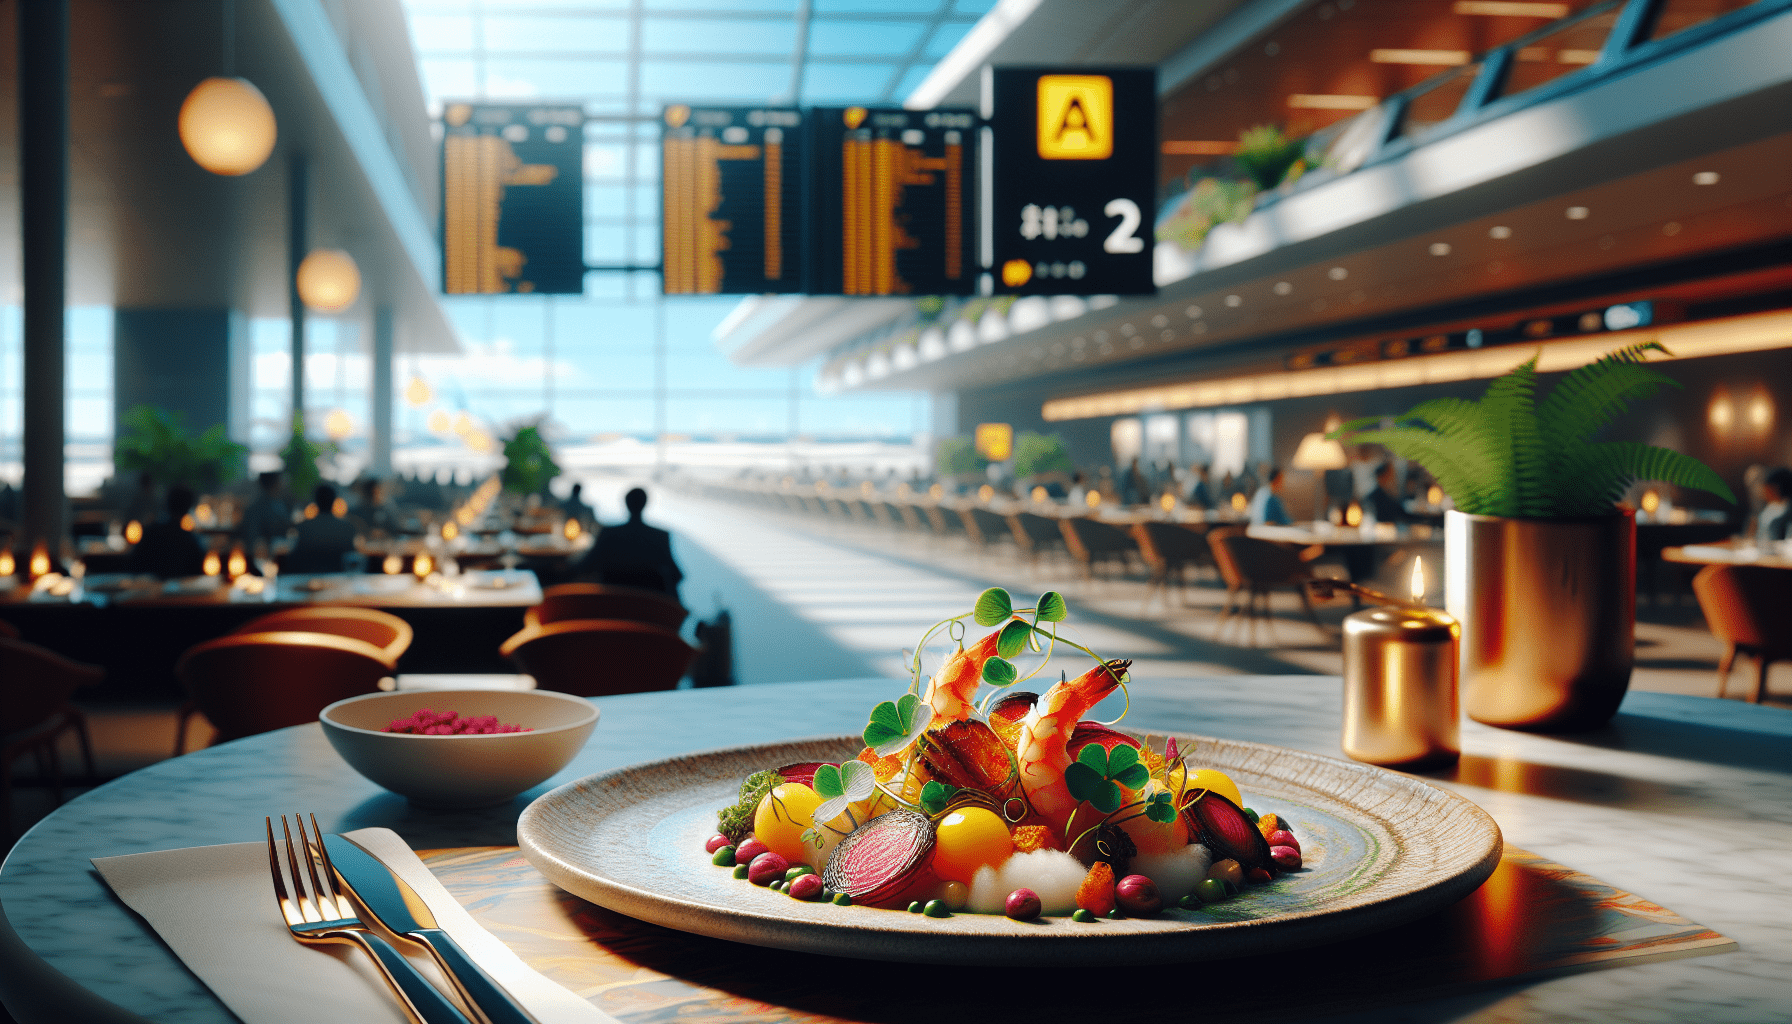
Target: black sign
(890, 202)
(1075, 191)
(731, 199)
(513, 199)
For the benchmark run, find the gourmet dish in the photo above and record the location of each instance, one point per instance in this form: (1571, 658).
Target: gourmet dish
(424, 722)
(1003, 800)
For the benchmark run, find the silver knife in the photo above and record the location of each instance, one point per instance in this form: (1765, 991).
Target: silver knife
(392, 902)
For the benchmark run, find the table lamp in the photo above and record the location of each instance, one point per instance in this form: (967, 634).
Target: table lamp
(1317, 454)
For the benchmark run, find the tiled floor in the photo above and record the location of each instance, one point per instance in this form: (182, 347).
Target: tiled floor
(816, 601)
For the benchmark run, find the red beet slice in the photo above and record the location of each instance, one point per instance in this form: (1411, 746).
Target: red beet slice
(883, 863)
(802, 773)
(1086, 733)
(1226, 832)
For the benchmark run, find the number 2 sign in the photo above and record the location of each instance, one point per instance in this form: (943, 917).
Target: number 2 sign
(1073, 194)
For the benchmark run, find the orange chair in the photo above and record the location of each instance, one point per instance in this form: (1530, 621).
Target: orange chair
(570, 601)
(1169, 548)
(248, 683)
(593, 658)
(384, 630)
(1749, 608)
(1090, 541)
(35, 685)
(1252, 568)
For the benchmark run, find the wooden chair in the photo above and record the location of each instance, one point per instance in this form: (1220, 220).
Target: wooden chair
(248, 683)
(1749, 608)
(1091, 541)
(1169, 548)
(1036, 534)
(985, 528)
(597, 658)
(35, 685)
(1256, 568)
(570, 601)
(384, 630)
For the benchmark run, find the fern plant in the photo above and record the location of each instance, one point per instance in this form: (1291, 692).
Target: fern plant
(1513, 454)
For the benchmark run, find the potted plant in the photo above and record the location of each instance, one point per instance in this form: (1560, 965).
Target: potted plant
(156, 441)
(529, 462)
(1540, 558)
(299, 458)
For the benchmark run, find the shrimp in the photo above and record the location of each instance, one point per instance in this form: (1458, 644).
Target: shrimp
(1043, 750)
(952, 687)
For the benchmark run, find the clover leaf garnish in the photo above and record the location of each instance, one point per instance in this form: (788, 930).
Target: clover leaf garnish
(935, 796)
(1097, 775)
(1013, 639)
(993, 605)
(847, 783)
(1051, 607)
(895, 725)
(1161, 807)
(1000, 672)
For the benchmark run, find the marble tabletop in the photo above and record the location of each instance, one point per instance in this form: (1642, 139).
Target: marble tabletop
(1682, 800)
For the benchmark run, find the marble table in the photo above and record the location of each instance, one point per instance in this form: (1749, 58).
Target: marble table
(1682, 800)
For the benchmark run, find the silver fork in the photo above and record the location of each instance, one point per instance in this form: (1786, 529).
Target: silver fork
(319, 915)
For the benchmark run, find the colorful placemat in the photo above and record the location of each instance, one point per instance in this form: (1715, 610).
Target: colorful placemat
(1533, 918)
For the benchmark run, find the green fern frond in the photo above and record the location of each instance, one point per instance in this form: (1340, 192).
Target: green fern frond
(1596, 476)
(1463, 472)
(1589, 397)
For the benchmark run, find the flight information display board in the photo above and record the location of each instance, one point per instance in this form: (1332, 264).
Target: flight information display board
(513, 199)
(891, 206)
(731, 200)
(1075, 191)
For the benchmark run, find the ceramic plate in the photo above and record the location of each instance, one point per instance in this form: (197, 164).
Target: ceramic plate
(1379, 849)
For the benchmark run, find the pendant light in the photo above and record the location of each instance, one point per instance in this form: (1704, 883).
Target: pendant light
(226, 124)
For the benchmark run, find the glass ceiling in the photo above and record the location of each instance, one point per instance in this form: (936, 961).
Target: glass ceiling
(591, 359)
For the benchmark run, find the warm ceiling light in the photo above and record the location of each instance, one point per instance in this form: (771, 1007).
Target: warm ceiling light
(1511, 9)
(1440, 248)
(1199, 147)
(1577, 213)
(1446, 58)
(329, 281)
(440, 422)
(1333, 101)
(1705, 178)
(418, 392)
(1720, 413)
(1282, 288)
(1234, 301)
(227, 126)
(339, 425)
(1337, 273)
(1499, 231)
(1576, 56)
(1760, 410)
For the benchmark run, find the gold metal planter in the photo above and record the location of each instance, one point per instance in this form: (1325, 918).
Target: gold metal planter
(1548, 613)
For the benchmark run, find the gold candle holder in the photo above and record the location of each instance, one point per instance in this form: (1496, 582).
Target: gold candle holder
(1400, 700)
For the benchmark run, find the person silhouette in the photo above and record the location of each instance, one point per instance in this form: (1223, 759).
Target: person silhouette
(321, 540)
(633, 554)
(168, 549)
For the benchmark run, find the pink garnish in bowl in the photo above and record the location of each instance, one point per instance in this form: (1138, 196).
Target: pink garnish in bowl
(425, 722)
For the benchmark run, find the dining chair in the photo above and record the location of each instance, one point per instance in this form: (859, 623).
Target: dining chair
(384, 630)
(590, 658)
(1748, 607)
(8, 631)
(985, 528)
(1091, 541)
(569, 601)
(1035, 534)
(248, 683)
(1169, 548)
(1257, 567)
(35, 686)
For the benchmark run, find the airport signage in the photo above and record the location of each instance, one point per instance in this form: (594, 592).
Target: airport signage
(513, 199)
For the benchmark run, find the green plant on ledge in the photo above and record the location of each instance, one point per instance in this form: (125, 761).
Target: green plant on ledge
(1512, 455)
(299, 458)
(530, 462)
(156, 441)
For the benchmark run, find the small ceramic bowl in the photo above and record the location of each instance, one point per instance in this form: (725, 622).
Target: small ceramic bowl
(460, 771)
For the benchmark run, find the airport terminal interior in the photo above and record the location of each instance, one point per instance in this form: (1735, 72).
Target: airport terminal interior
(1225, 320)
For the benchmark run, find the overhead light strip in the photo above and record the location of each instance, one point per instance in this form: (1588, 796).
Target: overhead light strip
(1755, 333)
(1331, 101)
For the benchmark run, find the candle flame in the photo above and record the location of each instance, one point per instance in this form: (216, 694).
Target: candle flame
(1168, 502)
(40, 560)
(393, 564)
(238, 564)
(450, 530)
(423, 565)
(211, 566)
(133, 532)
(572, 529)
(1418, 579)
(7, 565)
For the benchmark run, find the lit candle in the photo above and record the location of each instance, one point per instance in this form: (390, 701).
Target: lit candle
(211, 566)
(1400, 704)
(572, 529)
(423, 566)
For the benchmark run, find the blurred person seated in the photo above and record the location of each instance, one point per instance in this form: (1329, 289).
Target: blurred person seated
(142, 506)
(1200, 489)
(267, 518)
(377, 514)
(1775, 522)
(633, 554)
(320, 542)
(1078, 495)
(168, 549)
(1381, 501)
(1267, 508)
(573, 506)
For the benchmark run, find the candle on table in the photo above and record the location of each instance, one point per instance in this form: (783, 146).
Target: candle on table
(1400, 704)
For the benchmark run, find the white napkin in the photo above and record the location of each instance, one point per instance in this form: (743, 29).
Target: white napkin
(214, 906)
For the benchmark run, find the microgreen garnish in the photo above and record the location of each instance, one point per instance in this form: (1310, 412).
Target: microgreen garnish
(1014, 638)
(1000, 672)
(993, 605)
(841, 785)
(1051, 607)
(935, 796)
(1097, 775)
(1161, 807)
(895, 725)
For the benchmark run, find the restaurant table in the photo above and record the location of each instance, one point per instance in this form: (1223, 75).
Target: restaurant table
(1332, 536)
(1731, 553)
(1681, 801)
(137, 633)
